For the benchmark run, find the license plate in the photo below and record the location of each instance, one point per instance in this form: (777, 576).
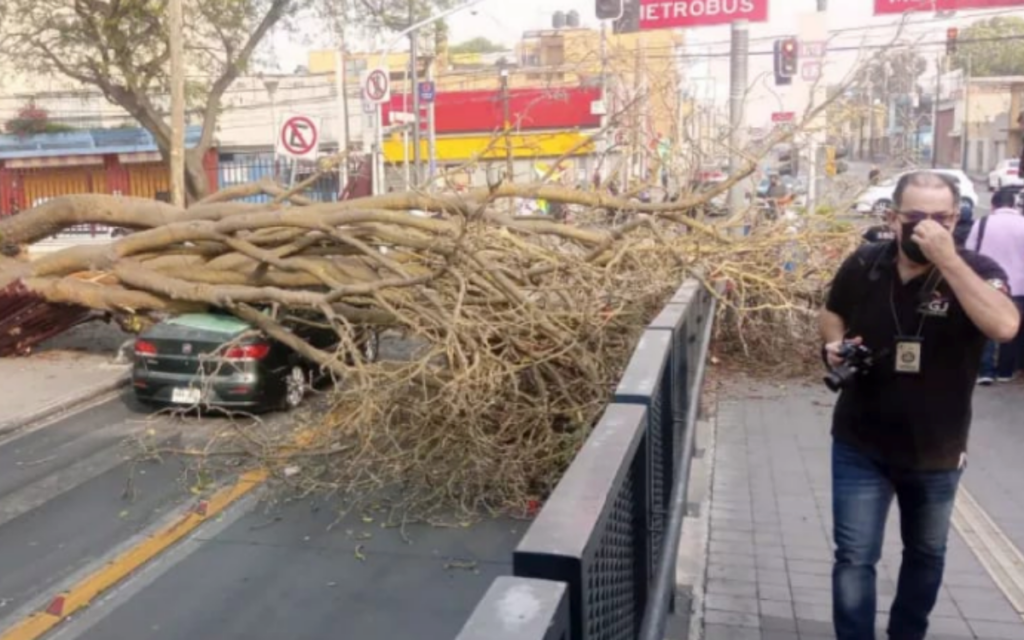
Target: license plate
(186, 396)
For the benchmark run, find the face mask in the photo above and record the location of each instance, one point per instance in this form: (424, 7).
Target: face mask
(910, 248)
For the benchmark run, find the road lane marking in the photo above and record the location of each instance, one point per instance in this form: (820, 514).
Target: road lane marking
(88, 589)
(1001, 558)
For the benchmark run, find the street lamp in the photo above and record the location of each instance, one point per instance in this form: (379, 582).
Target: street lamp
(378, 165)
(271, 85)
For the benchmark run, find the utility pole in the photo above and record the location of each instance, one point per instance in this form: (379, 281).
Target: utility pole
(603, 145)
(964, 146)
(414, 61)
(176, 46)
(935, 110)
(506, 109)
(871, 120)
(431, 126)
(339, 77)
(738, 54)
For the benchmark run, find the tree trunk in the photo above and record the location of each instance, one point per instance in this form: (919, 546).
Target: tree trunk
(197, 185)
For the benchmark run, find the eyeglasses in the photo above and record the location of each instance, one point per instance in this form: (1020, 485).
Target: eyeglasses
(921, 216)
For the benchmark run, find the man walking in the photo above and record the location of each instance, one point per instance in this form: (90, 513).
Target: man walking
(1000, 236)
(924, 308)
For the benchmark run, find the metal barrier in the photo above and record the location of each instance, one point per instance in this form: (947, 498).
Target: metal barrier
(610, 530)
(520, 608)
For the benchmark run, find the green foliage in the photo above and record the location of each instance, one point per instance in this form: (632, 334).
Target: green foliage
(477, 45)
(997, 55)
(121, 47)
(32, 120)
(897, 72)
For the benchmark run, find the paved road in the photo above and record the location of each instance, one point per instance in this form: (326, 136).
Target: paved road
(70, 492)
(72, 496)
(289, 573)
(770, 549)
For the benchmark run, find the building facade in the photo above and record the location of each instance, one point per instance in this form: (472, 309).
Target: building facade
(985, 112)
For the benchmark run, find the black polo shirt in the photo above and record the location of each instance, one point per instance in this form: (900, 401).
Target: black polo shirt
(912, 421)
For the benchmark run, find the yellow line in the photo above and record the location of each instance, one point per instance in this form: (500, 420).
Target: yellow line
(85, 591)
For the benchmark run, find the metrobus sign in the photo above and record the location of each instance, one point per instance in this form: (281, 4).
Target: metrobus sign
(669, 14)
(888, 7)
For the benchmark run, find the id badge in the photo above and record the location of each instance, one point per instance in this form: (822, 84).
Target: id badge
(908, 355)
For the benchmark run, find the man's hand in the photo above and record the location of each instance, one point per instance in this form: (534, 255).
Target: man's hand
(936, 242)
(832, 350)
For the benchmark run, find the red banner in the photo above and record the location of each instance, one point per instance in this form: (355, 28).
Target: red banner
(888, 7)
(669, 14)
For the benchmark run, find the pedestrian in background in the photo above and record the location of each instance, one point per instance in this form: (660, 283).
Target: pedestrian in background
(963, 227)
(1000, 236)
(924, 308)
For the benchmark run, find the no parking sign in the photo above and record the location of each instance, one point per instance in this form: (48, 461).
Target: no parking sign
(299, 137)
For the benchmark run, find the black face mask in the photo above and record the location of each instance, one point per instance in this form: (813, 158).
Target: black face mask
(910, 248)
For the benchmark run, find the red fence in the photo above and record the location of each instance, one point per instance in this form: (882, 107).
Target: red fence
(25, 184)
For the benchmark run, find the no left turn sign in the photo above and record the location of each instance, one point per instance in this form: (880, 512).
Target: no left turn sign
(299, 137)
(377, 85)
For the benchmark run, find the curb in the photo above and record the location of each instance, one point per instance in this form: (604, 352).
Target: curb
(691, 566)
(87, 589)
(65, 405)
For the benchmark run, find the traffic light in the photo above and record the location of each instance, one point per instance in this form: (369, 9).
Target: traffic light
(608, 9)
(951, 36)
(786, 59)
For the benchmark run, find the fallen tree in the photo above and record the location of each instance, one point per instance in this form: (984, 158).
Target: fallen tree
(522, 326)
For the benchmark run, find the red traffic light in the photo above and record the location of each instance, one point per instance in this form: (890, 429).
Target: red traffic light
(788, 45)
(952, 33)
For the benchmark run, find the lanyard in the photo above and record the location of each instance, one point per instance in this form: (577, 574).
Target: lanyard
(934, 278)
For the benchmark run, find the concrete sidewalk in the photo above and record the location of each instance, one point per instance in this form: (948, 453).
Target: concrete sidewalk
(769, 552)
(66, 371)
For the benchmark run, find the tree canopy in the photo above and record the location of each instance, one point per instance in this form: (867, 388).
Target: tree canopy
(478, 45)
(896, 73)
(995, 53)
(120, 47)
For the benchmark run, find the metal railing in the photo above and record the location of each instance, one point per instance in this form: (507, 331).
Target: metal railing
(609, 533)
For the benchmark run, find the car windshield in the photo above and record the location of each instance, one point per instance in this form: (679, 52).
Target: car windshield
(1014, 164)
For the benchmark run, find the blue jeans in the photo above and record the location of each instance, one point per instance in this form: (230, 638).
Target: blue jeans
(862, 491)
(1010, 356)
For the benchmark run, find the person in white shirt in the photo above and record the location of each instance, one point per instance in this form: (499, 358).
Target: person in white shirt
(1000, 236)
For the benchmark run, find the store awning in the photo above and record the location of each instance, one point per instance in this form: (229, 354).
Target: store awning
(54, 161)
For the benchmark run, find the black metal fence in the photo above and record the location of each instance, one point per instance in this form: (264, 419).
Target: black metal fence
(608, 534)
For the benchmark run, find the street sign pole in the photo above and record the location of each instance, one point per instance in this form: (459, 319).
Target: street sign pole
(376, 87)
(414, 61)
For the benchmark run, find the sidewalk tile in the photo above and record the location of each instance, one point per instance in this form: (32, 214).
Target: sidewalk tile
(777, 592)
(776, 609)
(732, 619)
(997, 630)
(732, 588)
(723, 632)
(738, 604)
(772, 502)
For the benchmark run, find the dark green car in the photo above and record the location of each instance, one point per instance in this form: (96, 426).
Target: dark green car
(218, 361)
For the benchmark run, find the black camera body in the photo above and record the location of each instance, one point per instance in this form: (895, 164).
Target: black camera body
(857, 361)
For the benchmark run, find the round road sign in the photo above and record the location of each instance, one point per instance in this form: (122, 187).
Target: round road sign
(299, 136)
(377, 85)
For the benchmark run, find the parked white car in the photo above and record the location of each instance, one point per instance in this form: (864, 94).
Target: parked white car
(879, 198)
(1006, 174)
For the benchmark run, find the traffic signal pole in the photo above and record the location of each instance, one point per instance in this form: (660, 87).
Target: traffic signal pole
(738, 58)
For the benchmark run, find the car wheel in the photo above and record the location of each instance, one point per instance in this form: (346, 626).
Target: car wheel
(881, 207)
(371, 348)
(294, 387)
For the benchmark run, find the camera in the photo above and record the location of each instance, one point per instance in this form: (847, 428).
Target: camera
(857, 360)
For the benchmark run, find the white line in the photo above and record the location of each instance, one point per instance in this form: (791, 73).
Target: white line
(1001, 558)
